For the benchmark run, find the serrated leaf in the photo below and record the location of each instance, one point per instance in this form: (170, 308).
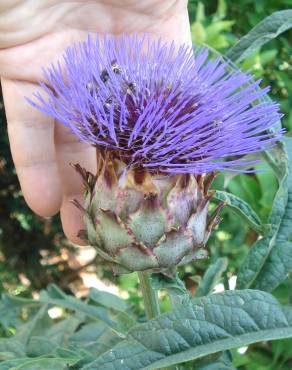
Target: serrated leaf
(268, 29)
(269, 259)
(212, 277)
(242, 208)
(204, 326)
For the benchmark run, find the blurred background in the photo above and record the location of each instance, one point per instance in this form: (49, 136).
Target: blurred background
(34, 252)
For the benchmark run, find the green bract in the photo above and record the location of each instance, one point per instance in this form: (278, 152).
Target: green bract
(140, 222)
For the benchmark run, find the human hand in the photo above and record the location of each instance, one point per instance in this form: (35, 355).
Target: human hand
(33, 34)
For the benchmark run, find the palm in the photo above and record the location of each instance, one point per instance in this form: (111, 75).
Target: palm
(41, 150)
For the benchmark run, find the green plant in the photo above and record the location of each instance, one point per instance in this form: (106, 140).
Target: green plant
(198, 332)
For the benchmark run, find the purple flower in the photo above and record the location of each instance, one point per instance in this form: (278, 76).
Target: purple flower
(156, 107)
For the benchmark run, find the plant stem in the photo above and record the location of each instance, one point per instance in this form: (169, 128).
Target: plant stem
(149, 295)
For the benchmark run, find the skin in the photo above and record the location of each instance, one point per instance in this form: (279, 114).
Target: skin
(33, 34)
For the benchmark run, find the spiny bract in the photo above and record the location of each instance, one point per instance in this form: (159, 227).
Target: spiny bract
(150, 222)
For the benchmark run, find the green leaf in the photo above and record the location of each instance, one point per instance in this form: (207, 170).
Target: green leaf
(212, 277)
(34, 327)
(108, 300)
(124, 322)
(277, 158)
(200, 15)
(243, 209)
(95, 338)
(221, 10)
(55, 292)
(45, 364)
(39, 346)
(175, 288)
(267, 191)
(61, 331)
(10, 364)
(198, 33)
(270, 258)
(12, 346)
(223, 362)
(278, 265)
(66, 353)
(217, 27)
(266, 30)
(88, 333)
(72, 303)
(268, 56)
(218, 41)
(282, 349)
(10, 309)
(121, 317)
(204, 326)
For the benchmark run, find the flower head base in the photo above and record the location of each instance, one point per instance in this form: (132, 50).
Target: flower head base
(151, 222)
(158, 108)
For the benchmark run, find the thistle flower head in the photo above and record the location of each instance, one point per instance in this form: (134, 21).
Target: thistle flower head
(160, 108)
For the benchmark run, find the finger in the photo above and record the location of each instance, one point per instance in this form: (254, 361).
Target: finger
(31, 136)
(70, 150)
(36, 54)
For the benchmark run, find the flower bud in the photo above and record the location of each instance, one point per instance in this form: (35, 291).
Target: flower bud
(140, 221)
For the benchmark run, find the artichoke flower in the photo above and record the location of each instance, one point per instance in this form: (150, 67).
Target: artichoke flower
(163, 120)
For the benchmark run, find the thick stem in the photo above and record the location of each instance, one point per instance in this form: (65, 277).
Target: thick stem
(149, 295)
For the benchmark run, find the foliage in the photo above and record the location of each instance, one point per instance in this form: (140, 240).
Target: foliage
(81, 340)
(220, 24)
(253, 242)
